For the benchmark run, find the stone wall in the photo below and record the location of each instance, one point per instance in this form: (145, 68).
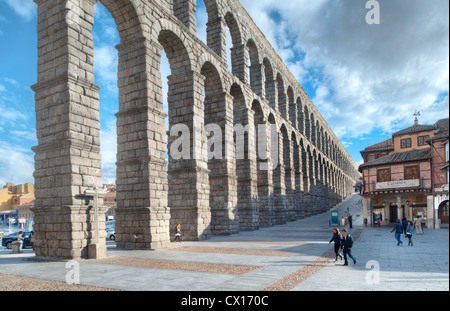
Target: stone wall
(207, 196)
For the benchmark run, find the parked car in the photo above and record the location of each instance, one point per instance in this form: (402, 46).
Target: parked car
(8, 240)
(111, 234)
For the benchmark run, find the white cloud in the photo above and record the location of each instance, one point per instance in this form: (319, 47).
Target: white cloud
(25, 8)
(106, 59)
(25, 135)
(108, 143)
(9, 115)
(16, 164)
(365, 76)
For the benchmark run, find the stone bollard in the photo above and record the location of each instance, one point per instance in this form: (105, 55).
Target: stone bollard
(15, 248)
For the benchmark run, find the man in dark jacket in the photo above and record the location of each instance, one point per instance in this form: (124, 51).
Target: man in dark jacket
(347, 244)
(398, 228)
(404, 224)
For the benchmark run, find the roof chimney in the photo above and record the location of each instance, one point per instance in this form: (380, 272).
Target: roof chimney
(416, 122)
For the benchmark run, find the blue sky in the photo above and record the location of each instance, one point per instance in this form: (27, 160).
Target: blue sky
(365, 80)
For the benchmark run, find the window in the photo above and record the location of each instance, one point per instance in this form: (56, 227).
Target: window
(421, 140)
(406, 143)
(384, 175)
(412, 172)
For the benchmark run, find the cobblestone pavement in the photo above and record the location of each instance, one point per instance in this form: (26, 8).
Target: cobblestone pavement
(295, 256)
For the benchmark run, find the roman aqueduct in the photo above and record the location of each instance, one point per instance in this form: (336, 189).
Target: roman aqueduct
(217, 196)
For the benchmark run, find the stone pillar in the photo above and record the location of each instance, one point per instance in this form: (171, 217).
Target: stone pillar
(216, 35)
(185, 10)
(239, 59)
(293, 114)
(279, 187)
(142, 214)
(307, 123)
(306, 182)
(246, 168)
(189, 184)
(282, 102)
(265, 175)
(289, 181)
(223, 181)
(300, 119)
(312, 185)
(256, 79)
(67, 160)
(297, 160)
(271, 94)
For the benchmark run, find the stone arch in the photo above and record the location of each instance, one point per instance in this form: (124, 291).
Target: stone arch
(238, 52)
(214, 38)
(218, 118)
(255, 73)
(292, 106)
(131, 27)
(71, 79)
(282, 105)
(177, 53)
(313, 138)
(205, 196)
(317, 130)
(269, 83)
(301, 116)
(307, 122)
(181, 107)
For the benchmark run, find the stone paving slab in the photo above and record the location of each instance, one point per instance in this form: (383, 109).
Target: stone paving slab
(421, 267)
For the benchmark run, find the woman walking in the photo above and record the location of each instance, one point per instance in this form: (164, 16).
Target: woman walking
(409, 232)
(337, 238)
(177, 233)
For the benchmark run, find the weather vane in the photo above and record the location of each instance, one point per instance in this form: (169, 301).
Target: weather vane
(416, 114)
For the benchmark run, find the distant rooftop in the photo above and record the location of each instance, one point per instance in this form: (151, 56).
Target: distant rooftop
(416, 128)
(386, 144)
(398, 157)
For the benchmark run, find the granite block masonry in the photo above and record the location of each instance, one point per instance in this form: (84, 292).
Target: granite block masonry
(208, 196)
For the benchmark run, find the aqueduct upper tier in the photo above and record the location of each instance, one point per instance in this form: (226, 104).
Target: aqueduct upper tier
(208, 196)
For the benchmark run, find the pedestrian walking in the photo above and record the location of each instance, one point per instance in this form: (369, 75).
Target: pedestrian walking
(350, 221)
(20, 240)
(418, 225)
(177, 233)
(347, 244)
(404, 224)
(32, 239)
(409, 232)
(337, 239)
(398, 228)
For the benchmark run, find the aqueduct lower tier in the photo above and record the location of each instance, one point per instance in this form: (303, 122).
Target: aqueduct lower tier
(217, 196)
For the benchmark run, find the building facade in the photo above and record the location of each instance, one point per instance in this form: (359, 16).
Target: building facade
(440, 171)
(12, 197)
(401, 176)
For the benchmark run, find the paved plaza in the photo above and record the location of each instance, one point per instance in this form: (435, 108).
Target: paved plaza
(290, 257)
